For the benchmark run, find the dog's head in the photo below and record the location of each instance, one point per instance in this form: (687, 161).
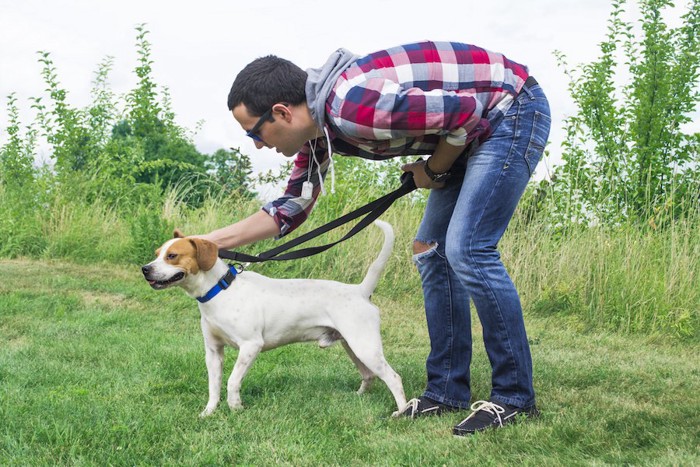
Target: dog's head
(179, 258)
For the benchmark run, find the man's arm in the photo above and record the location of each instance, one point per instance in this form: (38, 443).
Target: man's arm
(441, 161)
(258, 226)
(444, 156)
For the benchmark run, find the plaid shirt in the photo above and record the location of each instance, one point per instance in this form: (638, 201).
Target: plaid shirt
(399, 102)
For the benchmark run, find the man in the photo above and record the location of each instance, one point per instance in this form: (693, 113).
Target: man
(484, 123)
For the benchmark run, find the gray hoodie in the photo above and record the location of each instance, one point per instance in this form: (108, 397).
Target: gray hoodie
(320, 82)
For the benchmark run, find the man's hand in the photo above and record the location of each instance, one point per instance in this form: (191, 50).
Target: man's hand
(420, 177)
(258, 226)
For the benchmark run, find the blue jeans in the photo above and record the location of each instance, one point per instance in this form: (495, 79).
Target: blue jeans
(463, 223)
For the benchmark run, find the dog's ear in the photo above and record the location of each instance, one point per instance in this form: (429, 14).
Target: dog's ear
(178, 234)
(207, 253)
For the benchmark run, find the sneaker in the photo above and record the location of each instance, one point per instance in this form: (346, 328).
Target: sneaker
(423, 406)
(487, 415)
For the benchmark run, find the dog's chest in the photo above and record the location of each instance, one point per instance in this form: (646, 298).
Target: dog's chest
(223, 337)
(229, 326)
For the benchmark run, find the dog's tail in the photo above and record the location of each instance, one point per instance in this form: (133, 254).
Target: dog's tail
(375, 270)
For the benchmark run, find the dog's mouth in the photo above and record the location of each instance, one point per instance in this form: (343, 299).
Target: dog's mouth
(166, 283)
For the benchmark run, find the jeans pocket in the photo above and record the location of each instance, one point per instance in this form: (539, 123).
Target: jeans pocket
(538, 139)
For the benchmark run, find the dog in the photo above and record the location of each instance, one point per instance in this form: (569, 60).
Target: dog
(254, 313)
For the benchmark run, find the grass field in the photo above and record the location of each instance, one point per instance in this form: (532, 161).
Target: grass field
(98, 369)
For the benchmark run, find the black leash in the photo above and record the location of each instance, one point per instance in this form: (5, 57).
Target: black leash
(371, 211)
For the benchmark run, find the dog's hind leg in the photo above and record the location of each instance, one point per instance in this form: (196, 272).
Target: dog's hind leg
(366, 345)
(374, 360)
(246, 356)
(367, 375)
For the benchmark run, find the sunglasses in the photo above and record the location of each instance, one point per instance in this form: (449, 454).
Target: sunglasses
(253, 132)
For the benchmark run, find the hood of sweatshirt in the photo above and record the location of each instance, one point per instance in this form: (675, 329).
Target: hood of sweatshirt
(320, 82)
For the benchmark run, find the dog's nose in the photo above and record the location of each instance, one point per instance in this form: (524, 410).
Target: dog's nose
(146, 269)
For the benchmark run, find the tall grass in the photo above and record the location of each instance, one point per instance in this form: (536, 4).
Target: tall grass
(632, 279)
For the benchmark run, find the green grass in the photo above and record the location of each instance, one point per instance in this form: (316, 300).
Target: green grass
(98, 369)
(629, 279)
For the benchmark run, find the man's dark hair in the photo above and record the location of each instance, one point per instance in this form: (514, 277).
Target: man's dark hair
(266, 81)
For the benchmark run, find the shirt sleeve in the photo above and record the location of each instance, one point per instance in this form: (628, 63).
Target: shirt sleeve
(381, 109)
(291, 210)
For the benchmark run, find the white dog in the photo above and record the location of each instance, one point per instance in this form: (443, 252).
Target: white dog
(255, 313)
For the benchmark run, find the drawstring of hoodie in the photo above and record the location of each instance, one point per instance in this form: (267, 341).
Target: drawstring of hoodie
(312, 145)
(330, 159)
(319, 84)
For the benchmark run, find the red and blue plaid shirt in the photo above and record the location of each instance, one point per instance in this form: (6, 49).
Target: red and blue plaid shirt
(400, 102)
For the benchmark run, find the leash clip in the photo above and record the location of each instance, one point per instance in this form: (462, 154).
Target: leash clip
(238, 267)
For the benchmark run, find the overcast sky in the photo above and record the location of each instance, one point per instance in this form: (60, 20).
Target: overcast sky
(198, 47)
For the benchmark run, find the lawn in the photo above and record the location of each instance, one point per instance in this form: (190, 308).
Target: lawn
(98, 369)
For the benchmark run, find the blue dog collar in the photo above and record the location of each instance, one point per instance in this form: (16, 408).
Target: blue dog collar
(223, 284)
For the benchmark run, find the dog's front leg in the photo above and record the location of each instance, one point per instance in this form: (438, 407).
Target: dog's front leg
(215, 368)
(246, 356)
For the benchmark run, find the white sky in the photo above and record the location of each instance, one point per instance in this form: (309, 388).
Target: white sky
(198, 47)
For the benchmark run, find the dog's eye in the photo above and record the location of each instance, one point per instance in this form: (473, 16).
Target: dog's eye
(171, 256)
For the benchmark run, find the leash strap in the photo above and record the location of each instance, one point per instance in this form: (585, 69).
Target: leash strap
(371, 211)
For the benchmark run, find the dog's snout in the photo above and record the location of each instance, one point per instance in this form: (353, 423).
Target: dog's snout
(146, 270)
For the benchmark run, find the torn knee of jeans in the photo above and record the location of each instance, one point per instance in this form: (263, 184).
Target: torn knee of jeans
(421, 247)
(424, 251)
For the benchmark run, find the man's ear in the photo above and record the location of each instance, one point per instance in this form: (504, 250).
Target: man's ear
(283, 110)
(207, 253)
(178, 234)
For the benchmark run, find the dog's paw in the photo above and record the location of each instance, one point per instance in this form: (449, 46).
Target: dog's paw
(207, 411)
(366, 384)
(401, 411)
(235, 405)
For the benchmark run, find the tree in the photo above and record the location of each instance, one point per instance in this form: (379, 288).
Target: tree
(168, 154)
(232, 171)
(626, 153)
(17, 154)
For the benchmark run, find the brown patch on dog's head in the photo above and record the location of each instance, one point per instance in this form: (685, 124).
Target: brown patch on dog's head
(192, 254)
(207, 253)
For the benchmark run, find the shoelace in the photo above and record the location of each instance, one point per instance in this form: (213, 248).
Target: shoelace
(413, 405)
(490, 407)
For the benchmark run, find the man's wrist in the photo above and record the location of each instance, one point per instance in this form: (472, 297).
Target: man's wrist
(438, 177)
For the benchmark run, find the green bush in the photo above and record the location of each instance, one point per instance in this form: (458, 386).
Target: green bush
(628, 154)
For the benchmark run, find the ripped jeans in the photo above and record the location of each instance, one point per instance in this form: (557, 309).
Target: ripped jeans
(462, 225)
